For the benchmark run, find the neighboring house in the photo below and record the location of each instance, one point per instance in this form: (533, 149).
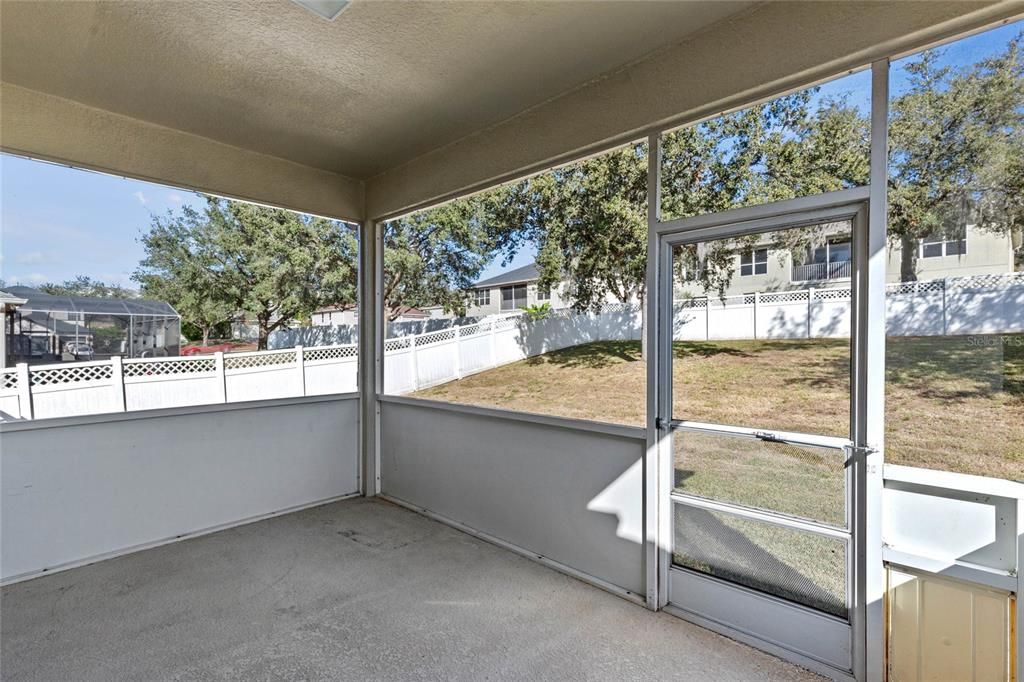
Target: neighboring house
(512, 290)
(335, 315)
(760, 268)
(338, 315)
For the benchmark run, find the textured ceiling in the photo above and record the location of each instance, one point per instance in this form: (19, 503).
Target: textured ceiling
(384, 83)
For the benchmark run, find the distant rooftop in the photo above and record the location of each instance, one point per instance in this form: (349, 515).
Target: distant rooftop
(526, 273)
(36, 300)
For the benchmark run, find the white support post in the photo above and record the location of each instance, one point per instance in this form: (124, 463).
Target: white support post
(414, 363)
(945, 302)
(707, 318)
(25, 391)
(300, 364)
(371, 351)
(868, 408)
(117, 379)
(810, 310)
(757, 304)
(657, 462)
(458, 359)
(494, 353)
(222, 383)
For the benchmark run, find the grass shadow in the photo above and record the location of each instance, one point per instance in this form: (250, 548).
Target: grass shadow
(596, 355)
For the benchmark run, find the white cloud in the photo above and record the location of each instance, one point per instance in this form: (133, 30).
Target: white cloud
(30, 257)
(141, 197)
(31, 278)
(174, 198)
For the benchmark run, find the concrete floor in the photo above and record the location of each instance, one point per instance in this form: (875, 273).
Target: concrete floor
(358, 589)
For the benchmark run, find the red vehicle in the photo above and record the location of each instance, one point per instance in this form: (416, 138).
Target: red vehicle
(207, 350)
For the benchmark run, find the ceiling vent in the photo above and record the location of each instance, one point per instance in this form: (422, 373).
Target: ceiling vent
(328, 9)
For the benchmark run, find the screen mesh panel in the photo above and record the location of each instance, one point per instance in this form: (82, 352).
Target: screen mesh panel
(790, 479)
(801, 567)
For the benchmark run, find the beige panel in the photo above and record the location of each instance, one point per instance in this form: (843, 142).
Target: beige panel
(991, 658)
(947, 628)
(777, 47)
(942, 630)
(904, 608)
(55, 129)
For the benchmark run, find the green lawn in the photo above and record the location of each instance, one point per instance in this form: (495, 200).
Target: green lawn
(954, 403)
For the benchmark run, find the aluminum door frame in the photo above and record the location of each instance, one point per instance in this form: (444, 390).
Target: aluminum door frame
(867, 379)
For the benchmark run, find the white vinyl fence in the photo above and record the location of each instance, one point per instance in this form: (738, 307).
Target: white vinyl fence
(985, 304)
(970, 305)
(118, 385)
(411, 363)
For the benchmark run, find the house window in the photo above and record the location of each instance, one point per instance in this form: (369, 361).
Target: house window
(754, 262)
(543, 293)
(482, 297)
(513, 297)
(941, 244)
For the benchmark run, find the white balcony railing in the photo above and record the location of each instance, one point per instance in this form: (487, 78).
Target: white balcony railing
(811, 272)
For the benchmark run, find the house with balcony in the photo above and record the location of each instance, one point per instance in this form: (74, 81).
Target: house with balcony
(762, 267)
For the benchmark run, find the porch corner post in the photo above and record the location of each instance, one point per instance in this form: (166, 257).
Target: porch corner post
(869, 407)
(371, 352)
(657, 463)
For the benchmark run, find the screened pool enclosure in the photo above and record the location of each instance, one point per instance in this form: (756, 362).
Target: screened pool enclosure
(48, 328)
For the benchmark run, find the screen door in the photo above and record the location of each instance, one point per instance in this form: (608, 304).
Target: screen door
(757, 337)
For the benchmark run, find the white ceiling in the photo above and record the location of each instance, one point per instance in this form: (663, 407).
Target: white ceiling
(382, 84)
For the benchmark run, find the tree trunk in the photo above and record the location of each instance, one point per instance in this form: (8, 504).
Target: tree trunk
(206, 336)
(261, 344)
(908, 258)
(643, 329)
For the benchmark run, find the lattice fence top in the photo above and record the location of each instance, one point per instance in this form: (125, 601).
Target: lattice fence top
(168, 366)
(9, 379)
(398, 344)
(1008, 279)
(474, 329)
(784, 296)
(620, 307)
(832, 294)
(329, 353)
(506, 323)
(915, 287)
(435, 337)
(71, 374)
(259, 359)
(692, 303)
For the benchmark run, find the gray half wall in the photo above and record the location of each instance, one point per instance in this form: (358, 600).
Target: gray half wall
(568, 493)
(79, 489)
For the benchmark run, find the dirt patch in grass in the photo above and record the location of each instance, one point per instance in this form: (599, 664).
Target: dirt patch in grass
(953, 403)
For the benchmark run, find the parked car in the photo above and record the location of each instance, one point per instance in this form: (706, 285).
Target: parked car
(206, 350)
(79, 351)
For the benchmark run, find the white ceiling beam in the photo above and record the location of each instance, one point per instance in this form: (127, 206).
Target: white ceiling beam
(47, 127)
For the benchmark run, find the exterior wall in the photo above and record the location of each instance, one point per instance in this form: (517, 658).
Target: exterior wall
(333, 318)
(558, 300)
(988, 253)
(80, 489)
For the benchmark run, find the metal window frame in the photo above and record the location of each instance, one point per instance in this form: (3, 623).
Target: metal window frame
(513, 288)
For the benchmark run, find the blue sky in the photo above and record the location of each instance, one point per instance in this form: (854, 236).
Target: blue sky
(58, 222)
